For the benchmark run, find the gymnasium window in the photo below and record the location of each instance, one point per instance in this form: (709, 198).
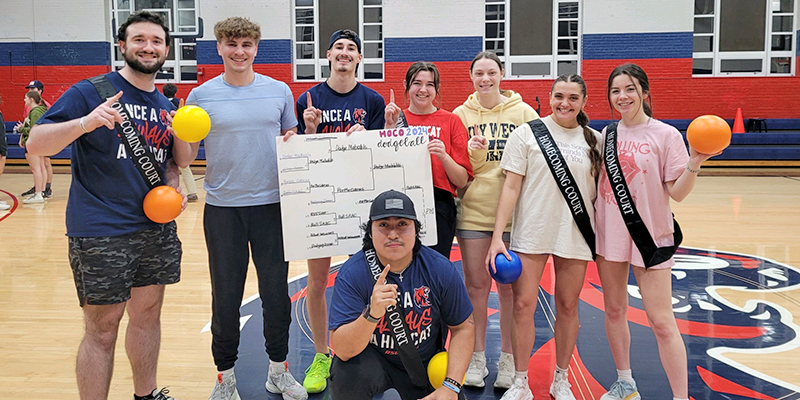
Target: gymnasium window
(744, 38)
(316, 20)
(184, 24)
(534, 38)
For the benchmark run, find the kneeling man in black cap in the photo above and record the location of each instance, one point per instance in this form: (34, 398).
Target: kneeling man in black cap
(392, 305)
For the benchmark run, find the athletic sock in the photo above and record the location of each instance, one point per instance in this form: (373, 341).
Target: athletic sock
(47, 186)
(227, 373)
(561, 373)
(625, 374)
(277, 367)
(521, 375)
(148, 397)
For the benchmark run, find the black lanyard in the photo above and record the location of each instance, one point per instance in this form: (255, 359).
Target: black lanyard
(566, 183)
(396, 322)
(135, 144)
(651, 254)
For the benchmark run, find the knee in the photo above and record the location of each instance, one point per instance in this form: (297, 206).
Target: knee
(616, 312)
(147, 315)
(524, 306)
(102, 334)
(664, 328)
(345, 373)
(568, 310)
(317, 285)
(478, 284)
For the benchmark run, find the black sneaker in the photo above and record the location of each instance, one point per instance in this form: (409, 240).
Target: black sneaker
(158, 395)
(29, 192)
(48, 193)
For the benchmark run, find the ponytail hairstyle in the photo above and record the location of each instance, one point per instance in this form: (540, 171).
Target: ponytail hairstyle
(636, 73)
(34, 95)
(421, 66)
(489, 55)
(583, 120)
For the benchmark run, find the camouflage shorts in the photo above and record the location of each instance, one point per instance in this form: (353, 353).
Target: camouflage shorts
(106, 268)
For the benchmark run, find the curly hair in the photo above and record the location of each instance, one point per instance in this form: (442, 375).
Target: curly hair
(236, 28)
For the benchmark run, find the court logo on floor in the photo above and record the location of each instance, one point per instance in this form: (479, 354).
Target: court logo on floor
(736, 314)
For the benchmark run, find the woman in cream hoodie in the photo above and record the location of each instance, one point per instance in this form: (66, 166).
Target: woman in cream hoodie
(489, 114)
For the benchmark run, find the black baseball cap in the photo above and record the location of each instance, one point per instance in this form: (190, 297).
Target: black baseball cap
(345, 34)
(35, 84)
(392, 203)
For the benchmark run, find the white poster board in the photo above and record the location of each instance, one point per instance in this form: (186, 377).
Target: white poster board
(328, 181)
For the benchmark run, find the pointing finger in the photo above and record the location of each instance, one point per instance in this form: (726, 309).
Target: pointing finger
(309, 104)
(382, 277)
(113, 99)
(391, 95)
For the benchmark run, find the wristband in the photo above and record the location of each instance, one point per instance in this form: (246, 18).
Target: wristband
(83, 128)
(453, 382)
(694, 171)
(451, 387)
(369, 316)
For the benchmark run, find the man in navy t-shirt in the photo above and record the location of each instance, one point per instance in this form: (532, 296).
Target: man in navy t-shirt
(120, 259)
(340, 104)
(423, 282)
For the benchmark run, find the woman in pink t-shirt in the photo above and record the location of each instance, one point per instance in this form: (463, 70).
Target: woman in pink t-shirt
(447, 144)
(656, 168)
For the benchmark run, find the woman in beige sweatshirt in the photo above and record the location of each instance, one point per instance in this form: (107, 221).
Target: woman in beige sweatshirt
(489, 114)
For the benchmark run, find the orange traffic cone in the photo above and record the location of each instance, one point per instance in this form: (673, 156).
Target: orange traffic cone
(738, 123)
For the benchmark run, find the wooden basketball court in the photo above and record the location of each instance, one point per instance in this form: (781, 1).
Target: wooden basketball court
(41, 323)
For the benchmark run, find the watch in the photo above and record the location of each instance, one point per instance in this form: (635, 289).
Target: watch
(369, 317)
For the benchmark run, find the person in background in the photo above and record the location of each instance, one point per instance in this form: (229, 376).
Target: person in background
(38, 87)
(37, 163)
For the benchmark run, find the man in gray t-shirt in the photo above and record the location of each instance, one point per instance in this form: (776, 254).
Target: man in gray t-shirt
(242, 212)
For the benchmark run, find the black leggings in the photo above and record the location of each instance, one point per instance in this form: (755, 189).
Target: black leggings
(445, 221)
(231, 233)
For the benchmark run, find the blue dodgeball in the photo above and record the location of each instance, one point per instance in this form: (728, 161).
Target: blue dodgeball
(507, 271)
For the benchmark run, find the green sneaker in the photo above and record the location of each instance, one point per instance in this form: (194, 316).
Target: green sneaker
(317, 374)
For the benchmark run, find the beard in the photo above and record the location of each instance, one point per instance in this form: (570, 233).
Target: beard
(133, 62)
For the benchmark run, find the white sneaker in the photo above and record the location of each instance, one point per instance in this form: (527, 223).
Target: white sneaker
(505, 371)
(4, 206)
(518, 391)
(622, 390)
(477, 371)
(282, 382)
(36, 198)
(559, 389)
(225, 388)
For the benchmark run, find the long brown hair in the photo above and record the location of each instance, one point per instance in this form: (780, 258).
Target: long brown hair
(489, 55)
(34, 95)
(421, 66)
(634, 72)
(583, 120)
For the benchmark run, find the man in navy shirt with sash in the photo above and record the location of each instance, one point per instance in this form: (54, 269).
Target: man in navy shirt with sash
(340, 104)
(120, 259)
(394, 277)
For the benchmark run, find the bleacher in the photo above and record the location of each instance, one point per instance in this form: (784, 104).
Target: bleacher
(778, 145)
